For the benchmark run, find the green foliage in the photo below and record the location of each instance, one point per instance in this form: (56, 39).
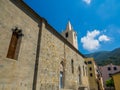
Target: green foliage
(110, 83)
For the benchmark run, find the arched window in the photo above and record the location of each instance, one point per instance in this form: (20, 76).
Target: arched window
(15, 44)
(62, 75)
(61, 79)
(79, 74)
(66, 34)
(86, 72)
(72, 66)
(83, 71)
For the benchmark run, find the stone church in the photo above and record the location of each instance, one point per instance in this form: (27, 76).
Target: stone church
(34, 56)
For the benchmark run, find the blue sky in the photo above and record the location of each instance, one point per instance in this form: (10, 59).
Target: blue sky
(97, 22)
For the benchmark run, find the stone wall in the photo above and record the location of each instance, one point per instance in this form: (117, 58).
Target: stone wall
(54, 49)
(17, 74)
(41, 51)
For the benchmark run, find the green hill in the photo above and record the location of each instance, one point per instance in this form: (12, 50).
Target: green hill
(106, 57)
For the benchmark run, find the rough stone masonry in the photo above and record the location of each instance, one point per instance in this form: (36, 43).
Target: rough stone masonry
(40, 53)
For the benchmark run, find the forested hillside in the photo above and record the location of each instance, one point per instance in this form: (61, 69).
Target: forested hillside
(106, 57)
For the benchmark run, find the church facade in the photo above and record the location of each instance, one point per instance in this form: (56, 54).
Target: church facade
(34, 56)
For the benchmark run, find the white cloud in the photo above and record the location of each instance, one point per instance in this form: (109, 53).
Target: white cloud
(92, 40)
(104, 38)
(93, 34)
(89, 41)
(87, 1)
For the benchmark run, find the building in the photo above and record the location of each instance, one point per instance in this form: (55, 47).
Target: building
(116, 79)
(107, 71)
(95, 79)
(33, 55)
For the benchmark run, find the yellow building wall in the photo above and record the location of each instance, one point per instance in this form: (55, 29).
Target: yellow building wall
(92, 80)
(116, 79)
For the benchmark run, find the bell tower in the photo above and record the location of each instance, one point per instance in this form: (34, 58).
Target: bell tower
(70, 35)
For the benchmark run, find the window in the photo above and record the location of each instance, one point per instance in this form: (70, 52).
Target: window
(14, 44)
(91, 74)
(79, 78)
(109, 68)
(85, 62)
(75, 35)
(66, 35)
(89, 62)
(90, 69)
(115, 68)
(79, 69)
(79, 74)
(61, 79)
(86, 71)
(83, 71)
(109, 74)
(72, 66)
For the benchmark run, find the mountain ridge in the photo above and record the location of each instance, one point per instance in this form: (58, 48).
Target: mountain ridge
(106, 57)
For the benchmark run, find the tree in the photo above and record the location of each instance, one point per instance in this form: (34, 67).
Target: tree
(110, 83)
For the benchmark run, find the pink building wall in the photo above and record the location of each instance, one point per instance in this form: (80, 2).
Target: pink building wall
(107, 70)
